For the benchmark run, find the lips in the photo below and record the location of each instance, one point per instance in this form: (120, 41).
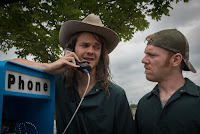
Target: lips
(147, 69)
(88, 59)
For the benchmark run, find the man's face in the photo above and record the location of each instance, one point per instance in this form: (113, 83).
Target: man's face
(88, 49)
(156, 63)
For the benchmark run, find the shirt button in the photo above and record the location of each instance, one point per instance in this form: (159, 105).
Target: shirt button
(97, 90)
(181, 91)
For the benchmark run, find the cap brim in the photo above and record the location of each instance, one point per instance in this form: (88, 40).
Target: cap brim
(189, 66)
(71, 27)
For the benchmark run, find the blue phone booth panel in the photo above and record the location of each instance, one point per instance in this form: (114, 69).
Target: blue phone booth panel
(27, 98)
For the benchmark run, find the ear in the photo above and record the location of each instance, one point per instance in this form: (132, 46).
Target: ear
(177, 59)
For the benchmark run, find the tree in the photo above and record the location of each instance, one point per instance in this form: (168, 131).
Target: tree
(32, 26)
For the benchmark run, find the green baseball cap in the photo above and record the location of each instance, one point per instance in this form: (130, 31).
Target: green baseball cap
(173, 40)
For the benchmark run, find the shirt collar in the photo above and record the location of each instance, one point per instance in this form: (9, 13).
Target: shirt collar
(96, 89)
(155, 91)
(189, 88)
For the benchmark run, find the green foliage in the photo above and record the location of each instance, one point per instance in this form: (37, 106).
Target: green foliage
(133, 108)
(133, 105)
(32, 26)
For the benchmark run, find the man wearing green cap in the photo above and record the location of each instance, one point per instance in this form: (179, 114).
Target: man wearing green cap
(105, 108)
(173, 106)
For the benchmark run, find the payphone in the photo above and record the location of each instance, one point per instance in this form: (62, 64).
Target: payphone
(27, 99)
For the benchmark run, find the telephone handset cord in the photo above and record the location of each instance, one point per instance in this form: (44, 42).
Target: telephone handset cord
(86, 71)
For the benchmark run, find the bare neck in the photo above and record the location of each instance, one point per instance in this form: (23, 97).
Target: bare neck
(169, 86)
(83, 81)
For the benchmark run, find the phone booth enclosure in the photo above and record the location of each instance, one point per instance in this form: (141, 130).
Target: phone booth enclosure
(27, 98)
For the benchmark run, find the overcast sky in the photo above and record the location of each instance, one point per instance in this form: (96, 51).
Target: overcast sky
(126, 66)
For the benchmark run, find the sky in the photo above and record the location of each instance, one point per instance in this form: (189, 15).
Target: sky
(125, 61)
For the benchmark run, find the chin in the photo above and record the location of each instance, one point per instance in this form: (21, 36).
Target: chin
(151, 79)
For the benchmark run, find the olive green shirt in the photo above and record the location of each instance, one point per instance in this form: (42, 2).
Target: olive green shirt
(180, 115)
(97, 114)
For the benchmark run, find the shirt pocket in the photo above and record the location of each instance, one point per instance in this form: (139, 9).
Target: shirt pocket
(101, 115)
(176, 127)
(104, 121)
(182, 126)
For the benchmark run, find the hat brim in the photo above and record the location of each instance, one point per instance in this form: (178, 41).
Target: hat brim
(188, 66)
(71, 27)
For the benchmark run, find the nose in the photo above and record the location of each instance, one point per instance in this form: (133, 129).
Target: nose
(90, 51)
(145, 60)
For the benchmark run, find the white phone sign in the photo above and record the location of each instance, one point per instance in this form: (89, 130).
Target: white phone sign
(23, 83)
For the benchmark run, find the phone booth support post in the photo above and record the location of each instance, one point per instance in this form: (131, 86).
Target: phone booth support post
(27, 98)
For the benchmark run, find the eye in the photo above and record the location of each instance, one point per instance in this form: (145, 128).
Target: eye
(151, 55)
(84, 45)
(97, 47)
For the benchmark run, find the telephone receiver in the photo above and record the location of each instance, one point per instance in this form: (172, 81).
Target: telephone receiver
(83, 65)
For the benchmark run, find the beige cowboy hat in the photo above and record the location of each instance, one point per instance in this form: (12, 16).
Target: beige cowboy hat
(91, 23)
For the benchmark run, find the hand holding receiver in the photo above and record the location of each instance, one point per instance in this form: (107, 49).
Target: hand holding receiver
(83, 65)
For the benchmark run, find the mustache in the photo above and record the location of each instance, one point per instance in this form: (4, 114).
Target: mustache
(146, 67)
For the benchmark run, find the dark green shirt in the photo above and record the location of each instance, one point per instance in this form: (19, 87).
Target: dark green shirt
(97, 114)
(181, 114)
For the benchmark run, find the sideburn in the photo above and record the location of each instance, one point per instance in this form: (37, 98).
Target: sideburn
(167, 61)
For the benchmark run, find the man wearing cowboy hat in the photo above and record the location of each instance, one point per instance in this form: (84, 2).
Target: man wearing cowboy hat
(105, 109)
(173, 106)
